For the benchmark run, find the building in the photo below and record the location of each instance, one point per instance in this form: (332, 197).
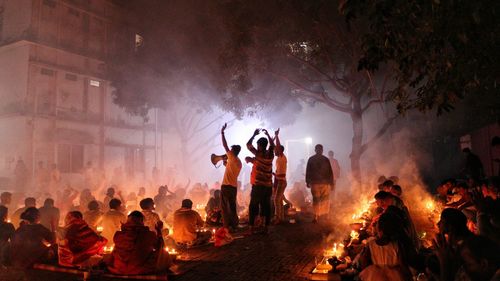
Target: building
(56, 100)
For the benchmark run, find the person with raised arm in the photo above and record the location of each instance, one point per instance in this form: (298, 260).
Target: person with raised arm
(279, 179)
(261, 180)
(229, 183)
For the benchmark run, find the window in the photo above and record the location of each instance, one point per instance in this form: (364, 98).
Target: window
(134, 161)
(95, 83)
(71, 77)
(70, 158)
(48, 72)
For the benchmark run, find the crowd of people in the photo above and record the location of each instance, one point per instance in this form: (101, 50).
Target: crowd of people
(127, 234)
(465, 247)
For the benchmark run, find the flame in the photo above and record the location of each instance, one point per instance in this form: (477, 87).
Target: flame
(430, 205)
(171, 251)
(108, 249)
(99, 228)
(354, 235)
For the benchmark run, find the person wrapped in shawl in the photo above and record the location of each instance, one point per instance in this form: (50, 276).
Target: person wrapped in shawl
(138, 250)
(79, 241)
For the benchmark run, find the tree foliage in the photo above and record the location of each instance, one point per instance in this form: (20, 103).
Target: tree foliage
(306, 48)
(437, 50)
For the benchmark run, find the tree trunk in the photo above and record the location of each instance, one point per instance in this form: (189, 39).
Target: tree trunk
(357, 139)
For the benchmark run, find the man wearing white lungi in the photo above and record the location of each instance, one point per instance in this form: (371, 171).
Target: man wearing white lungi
(319, 178)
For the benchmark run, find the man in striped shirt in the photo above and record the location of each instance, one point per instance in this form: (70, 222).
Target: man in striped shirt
(261, 179)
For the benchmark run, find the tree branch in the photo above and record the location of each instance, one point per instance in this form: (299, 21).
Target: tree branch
(379, 134)
(370, 103)
(318, 96)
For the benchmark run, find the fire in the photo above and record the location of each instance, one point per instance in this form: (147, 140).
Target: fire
(336, 251)
(354, 235)
(100, 229)
(108, 249)
(430, 205)
(171, 251)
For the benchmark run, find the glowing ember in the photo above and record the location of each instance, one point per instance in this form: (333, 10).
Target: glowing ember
(46, 243)
(100, 229)
(108, 249)
(171, 251)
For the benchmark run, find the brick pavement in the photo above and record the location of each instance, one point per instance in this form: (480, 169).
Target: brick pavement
(286, 253)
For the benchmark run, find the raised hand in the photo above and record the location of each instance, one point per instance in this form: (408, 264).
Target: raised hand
(277, 132)
(256, 132)
(223, 128)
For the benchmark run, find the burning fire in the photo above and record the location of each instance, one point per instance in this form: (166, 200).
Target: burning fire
(336, 251)
(171, 251)
(100, 229)
(108, 249)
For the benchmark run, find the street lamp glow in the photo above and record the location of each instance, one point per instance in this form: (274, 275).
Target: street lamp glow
(309, 140)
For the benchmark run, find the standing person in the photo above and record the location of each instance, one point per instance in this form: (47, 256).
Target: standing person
(42, 177)
(473, 166)
(230, 183)
(335, 167)
(279, 179)
(55, 180)
(261, 179)
(21, 175)
(319, 178)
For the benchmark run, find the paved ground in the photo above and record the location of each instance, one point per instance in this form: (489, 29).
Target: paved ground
(286, 253)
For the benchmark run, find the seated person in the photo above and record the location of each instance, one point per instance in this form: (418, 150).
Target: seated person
(79, 242)
(49, 215)
(186, 222)
(384, 200)
(16, 217)
(389, 255)
(151, 218)
(32, 242)
(94, 215)
(213, 210)
(480, 257)
(6, 232)
(138, 250)
(112, 220)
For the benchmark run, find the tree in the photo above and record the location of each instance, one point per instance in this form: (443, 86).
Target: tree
(438, 51)
(306, 48)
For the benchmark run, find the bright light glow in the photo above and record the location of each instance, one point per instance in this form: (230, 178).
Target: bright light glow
(309, 140)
